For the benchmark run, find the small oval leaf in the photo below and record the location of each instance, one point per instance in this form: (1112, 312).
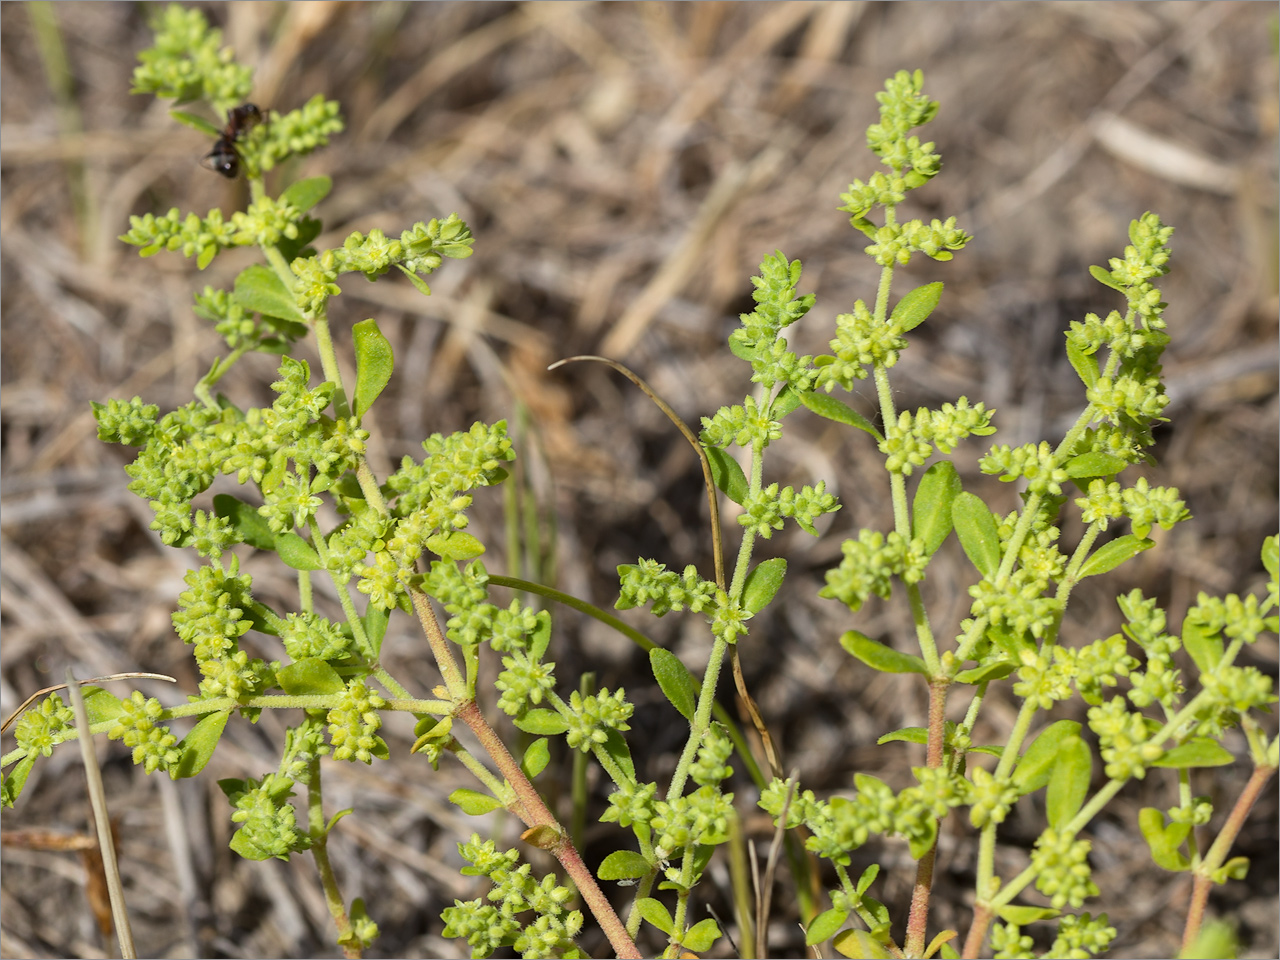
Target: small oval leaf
(978, 532)
(763, 583)
(1022, 915)
(880, 657)
(701, 936)
(1084, 364)
(676, 681)
(249, 524)
(1095, 464)
(1103, 276)
(197, 746)
(623, 865)
(1199, 752)
(995, 670)
(536, 757)
(931, 509)
(542, 723)
(305, 194)
(296, 552)
(1111, 555)
(658, 915)
(727, 474)
(839, 411)
(473, 802)
(1035, 766)
(1068, 782)
(309, 677)
(101, 704)
(374, 364)
(455, 545)
(914, 308)
(907, 735)
(825, 926)
(1203, 645)
(260, 290)
(786, 401)
(615, 745)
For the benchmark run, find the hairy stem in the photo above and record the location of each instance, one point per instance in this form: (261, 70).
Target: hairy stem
(556, 841)
(317, 829)
(1217, 854)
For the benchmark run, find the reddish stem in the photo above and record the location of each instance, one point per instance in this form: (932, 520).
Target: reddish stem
(534, 813)
(918, 918)
(982, 917)
(1217, 854)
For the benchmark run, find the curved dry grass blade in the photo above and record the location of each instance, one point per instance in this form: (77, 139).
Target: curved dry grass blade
(59, 686)
(712, 499)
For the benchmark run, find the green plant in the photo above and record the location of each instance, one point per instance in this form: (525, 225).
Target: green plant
(307, 449)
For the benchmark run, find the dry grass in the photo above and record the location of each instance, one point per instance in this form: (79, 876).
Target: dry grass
(624, 167)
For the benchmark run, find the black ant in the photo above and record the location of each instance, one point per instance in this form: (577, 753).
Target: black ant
(224, 158)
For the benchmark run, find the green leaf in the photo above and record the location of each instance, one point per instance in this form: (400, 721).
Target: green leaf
(196, 122)
(416, 280)
(727, 474)
(16, 779)
(701, 936)
(1036, 765)
(860, 945)
(1095, 464)
(296, 552)
(1068, 782)
(1104, 277)
(880, 657)
(676, 681)
(1021, 915)
(305, 194)
(536, 757)
(996, 670)
(938, 945)
(309, 677)
(623, 865)
(1197, 752)
(921, 842)
(249, 524)
(197, 746)
(763, 583)
(542, 723)
(1203, 646)
(455, 545)
(914, 308)
(978, 532)
(615, 745)
(374, 363)
(259, 289)
(1237, 868)
(839, 411)
(1271, 555)
(787, 400)
(653, 911)
(1163, 840)
(474, 803)
(375, 625)
(1217, 939)
(1084, 364)
(825, 926)
(101, 705)
(931, 510)
(1111, 555)
(907, 735)
(540, 638)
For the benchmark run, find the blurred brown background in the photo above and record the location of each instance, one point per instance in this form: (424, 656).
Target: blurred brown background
(625, 167)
